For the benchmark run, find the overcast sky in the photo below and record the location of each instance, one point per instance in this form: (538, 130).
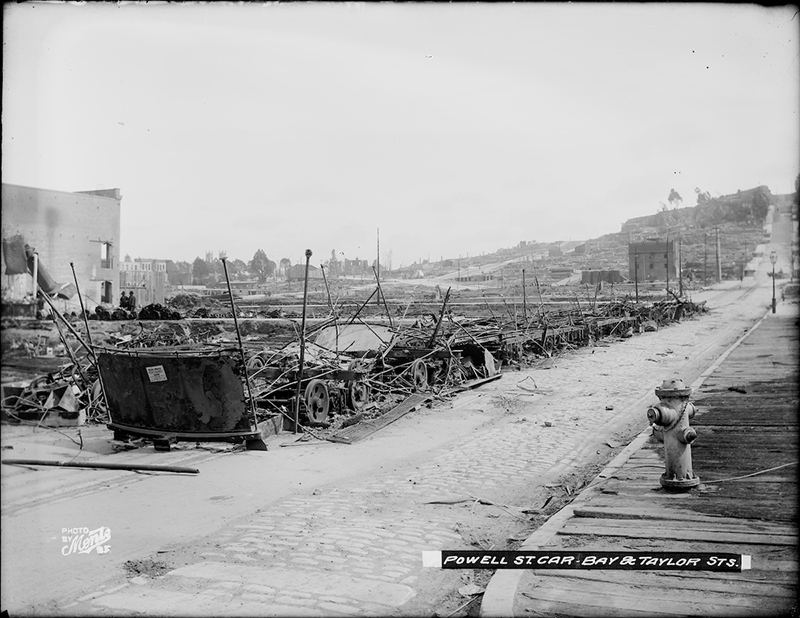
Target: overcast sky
(454, 128)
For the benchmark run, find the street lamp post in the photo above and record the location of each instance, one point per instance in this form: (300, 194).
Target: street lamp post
(773, 257)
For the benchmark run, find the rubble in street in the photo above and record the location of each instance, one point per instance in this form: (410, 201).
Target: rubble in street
(354, 370)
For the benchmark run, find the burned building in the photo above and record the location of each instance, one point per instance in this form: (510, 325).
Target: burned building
(597, 276)
(298, 272)
(653, 260)
(82, 228)
(146, 278)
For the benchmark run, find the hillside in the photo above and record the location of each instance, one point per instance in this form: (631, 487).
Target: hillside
(738, 220)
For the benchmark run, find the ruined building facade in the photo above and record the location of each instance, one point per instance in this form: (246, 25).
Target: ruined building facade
(63, 227)
(146, 278)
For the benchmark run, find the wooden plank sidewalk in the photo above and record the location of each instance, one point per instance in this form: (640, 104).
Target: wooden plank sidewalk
(745, 456)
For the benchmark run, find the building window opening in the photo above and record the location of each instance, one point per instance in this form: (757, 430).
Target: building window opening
(106, 259)
(106, 295)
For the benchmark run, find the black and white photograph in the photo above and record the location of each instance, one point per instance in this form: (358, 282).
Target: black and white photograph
(399, 309)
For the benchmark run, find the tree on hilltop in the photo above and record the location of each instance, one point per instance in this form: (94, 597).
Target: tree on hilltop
(761, 201)
(674, 198)
(703, 197)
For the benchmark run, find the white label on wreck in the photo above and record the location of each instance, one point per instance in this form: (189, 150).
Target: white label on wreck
(157, 373)
(85, 541)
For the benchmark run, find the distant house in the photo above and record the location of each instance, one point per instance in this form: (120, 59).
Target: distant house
(354, 267)
(653, 260)
(238, 288)
(146, 278)
(559, 272)
(596, 276)
(298, 272)
(468, 278)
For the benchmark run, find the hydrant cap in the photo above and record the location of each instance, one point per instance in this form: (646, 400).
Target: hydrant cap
(673, 388)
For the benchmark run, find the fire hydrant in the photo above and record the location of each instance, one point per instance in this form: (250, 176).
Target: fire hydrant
(670, 421)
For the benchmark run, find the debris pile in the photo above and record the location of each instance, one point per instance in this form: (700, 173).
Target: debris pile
(70, 396)
(169, 334)
(101, 313)
(156, 311)
(351, 370)
(196, 306)
(356, 370)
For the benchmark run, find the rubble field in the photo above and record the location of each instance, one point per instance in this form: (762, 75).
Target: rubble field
(348, 368)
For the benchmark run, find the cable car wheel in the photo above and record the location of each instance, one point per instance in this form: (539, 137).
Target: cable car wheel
(318, 401)
(419, 374)
(358, 394)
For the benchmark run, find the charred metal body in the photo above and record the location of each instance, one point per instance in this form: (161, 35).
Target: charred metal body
(178, 393)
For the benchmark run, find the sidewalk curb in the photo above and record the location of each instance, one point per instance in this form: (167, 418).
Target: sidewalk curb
(498, 599)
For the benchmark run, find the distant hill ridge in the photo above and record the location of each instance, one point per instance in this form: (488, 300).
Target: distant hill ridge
(748, 206)
(743, 213)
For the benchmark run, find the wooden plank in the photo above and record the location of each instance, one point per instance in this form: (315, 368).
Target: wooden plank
(477, 382)
(636, 512)
(744, 526)
(367, 428)
(694, 525)
(680, 534)
(657, 600)
(769, 563)
(525, 605)
(711, 505)
(703, 581)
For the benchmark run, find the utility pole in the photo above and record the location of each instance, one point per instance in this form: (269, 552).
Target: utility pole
(378, 270)
(302, 347)
(667, 254)
(680, 267)
(705, 257)
(524, 300)
(636, 272)
(719, 267)
(744, 265)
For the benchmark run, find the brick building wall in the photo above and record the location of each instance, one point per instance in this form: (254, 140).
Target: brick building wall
(654, 258)
(82, 228)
